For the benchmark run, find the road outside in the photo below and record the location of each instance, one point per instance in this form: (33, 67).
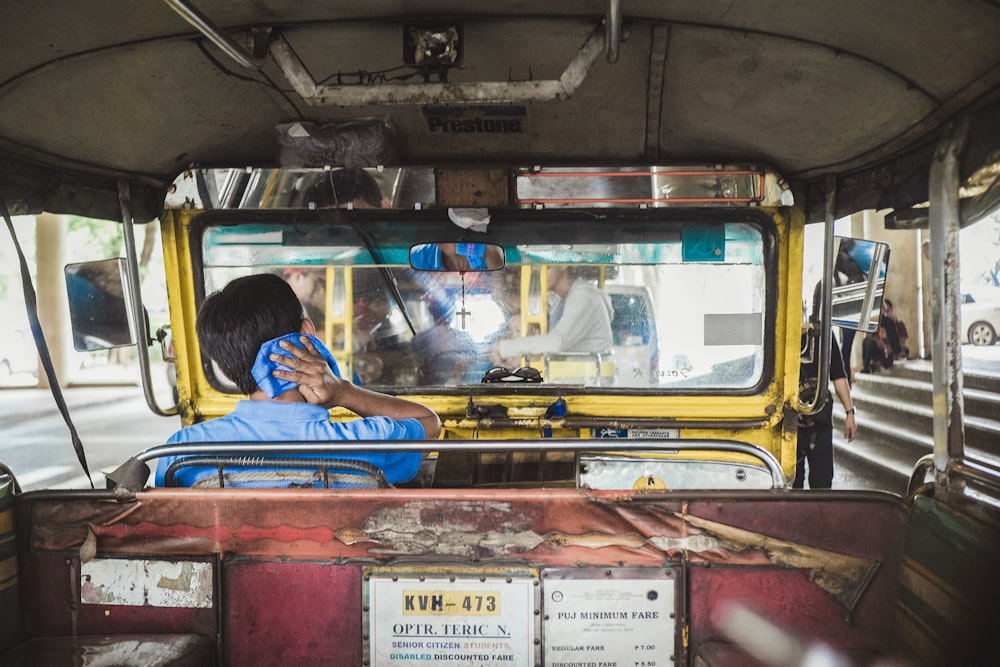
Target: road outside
(111, 418)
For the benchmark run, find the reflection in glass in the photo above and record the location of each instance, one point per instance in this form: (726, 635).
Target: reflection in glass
(858, 283)
(97, 306)
(678, 323)
(457, 257)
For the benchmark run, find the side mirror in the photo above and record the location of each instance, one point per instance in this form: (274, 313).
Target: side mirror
(460, 257)
(98, 308)
(859, 272)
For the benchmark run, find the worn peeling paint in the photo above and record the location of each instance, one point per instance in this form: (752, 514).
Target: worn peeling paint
(842, 576)
(138, 583)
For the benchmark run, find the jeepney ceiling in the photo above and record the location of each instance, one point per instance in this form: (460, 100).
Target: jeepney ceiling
(857, 89)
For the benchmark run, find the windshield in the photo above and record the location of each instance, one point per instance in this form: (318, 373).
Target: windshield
(675, 304)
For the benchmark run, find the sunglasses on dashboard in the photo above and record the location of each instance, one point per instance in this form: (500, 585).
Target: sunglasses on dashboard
(502, 374)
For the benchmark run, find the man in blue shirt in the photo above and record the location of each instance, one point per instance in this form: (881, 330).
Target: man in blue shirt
(457, 257)
(253, 311)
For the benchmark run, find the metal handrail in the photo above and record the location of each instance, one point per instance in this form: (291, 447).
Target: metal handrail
(475, 92)
(980, 473)
(919, 474)
(613, 30)
(138, 313)
(322, 465)
(193, 16)
(343, 446)
(9, 474)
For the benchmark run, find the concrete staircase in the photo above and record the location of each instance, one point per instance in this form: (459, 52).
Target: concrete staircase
(895, 425)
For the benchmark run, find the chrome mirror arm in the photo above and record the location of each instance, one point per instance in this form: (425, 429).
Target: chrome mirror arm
(823, 346)
(135, 302)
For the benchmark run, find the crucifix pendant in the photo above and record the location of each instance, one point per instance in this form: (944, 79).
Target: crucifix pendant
(463, 312)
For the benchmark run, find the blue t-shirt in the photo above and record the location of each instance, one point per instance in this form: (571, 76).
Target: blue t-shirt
(271, 421)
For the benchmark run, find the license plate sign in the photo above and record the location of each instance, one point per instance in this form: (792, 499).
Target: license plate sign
(460, 618)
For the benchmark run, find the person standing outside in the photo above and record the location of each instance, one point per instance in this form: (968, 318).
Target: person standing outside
(815, 432)
(581, 323)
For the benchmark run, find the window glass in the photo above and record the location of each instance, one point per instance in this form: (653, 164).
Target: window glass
(686, 303)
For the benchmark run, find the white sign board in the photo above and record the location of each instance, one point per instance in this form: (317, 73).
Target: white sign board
(609, 622)
(488, 621)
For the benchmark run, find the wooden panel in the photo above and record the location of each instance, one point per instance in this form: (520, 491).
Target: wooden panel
(472, 188)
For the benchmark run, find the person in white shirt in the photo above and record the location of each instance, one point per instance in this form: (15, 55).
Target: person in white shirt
(583, 323)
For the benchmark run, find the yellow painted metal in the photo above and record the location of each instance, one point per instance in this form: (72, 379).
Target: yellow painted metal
(789, 313)
(338, 330)
(177, 264)
(534, 306)
(758, 419)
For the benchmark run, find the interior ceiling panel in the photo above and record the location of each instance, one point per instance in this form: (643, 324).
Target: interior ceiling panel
(91, 93)
(820, 117)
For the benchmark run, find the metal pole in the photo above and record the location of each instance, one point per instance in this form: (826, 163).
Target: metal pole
(135, 302)
(191, 14)
(613, 30)
(946, 351)
(824, 345)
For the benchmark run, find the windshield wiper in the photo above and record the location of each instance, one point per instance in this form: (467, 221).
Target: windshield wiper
(386, 272)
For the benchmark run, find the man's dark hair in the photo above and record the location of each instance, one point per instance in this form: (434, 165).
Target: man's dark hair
(351, 184)
(340, 187)
(234, 322)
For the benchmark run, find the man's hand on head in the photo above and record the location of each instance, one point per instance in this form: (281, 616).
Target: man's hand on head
(317, 383)
(319, 386)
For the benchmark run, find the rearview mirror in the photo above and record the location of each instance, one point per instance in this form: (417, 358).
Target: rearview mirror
(457, 257)
(859, 273)
(97, 305)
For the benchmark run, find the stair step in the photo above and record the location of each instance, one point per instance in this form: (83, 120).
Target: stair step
(981, 402)
(895, 419)
(907, 416)
(922, 369)
(902, 442)
(897, 448)
(863, 468)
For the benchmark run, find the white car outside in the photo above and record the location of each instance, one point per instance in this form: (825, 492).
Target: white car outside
(980, 319)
